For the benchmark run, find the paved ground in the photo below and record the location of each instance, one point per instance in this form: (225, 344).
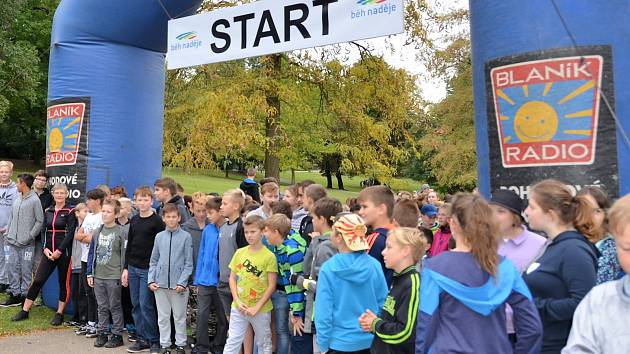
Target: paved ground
(54, 342)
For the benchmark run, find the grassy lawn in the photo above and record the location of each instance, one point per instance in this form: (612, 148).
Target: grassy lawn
(39, 319)
(215, 181)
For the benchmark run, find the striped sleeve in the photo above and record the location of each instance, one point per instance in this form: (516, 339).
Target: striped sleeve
(401, 329)
(295, 295)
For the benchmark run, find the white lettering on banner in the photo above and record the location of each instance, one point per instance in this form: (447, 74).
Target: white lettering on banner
(270, 26)
(523, 191)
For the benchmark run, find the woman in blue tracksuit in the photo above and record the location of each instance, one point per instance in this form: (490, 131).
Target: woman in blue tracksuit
(463, 293)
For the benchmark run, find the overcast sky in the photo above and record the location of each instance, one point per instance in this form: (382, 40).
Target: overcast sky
(404, 57)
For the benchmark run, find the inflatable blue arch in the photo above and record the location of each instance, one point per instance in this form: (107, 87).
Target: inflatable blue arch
(548, 76)
(106, 94)
(550, 80)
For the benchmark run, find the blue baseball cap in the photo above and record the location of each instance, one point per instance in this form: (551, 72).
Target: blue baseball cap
(429, 210)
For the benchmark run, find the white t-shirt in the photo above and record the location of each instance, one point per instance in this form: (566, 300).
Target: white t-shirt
(90, 224)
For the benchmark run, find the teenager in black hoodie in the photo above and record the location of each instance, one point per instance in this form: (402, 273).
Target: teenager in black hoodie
(567, 269)
(395, 327)
(251, 187)
(166, 193)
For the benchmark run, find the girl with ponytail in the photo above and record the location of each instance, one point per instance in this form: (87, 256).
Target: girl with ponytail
(567, 269)
(463, 293)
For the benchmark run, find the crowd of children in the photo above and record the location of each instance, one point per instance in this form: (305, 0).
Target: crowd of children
(251, 271)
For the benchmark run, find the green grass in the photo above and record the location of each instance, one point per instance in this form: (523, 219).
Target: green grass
(38, 320)
(215, 181)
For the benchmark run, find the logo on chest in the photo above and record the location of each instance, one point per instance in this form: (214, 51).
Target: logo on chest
(390, 305)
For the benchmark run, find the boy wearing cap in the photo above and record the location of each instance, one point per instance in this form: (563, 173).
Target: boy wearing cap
(518, 244)
(428, 215)
(349, 283)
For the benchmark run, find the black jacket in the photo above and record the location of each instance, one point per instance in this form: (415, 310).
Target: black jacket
(558, 280)
(58, 230)
(46, 199)
(251, 189)
(395, 328)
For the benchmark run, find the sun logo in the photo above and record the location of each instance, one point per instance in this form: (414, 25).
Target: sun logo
(63, 133)
(547, 111)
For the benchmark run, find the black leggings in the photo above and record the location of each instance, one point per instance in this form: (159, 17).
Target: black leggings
(89, 292)
(44, 270)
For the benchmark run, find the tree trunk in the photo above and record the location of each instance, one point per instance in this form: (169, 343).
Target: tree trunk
(339, 181)
(328, 175)
(272, 126)
(292, 176)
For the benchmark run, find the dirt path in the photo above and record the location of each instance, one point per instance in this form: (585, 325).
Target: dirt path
(53, 342)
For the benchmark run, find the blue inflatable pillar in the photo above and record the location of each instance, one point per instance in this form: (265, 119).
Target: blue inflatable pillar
(547, 77)
(106, 93)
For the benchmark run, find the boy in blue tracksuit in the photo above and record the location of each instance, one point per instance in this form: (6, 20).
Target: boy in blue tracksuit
(349, 283)
(206, 280)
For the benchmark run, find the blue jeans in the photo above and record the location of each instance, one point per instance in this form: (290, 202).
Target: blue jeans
(144, 311)
(281, 310)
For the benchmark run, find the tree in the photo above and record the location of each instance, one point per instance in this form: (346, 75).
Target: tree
(451, 144)
(24, 49)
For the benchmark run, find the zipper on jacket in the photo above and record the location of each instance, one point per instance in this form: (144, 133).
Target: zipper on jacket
(170, 243)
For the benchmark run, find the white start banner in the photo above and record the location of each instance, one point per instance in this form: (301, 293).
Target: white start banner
(272, 26)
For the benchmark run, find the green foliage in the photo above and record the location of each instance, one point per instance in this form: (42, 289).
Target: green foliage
(24, 49)
(451, 145)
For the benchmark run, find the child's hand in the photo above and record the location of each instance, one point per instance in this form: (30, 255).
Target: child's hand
(366, 320)
(153, 287)
(242, 308)
(298, 325)
(124, 278)
(252, 311)
(47, 253)
(179, 289)
(90, 282)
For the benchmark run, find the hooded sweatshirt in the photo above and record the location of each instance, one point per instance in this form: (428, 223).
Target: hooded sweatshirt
(171, 261)
(250, 187)
(598, 321)
(462, 308)
(27, 219)
(193, 229)
(7, 197)
(181, 206)
(559, 280)
(320, 250)
(348, 284)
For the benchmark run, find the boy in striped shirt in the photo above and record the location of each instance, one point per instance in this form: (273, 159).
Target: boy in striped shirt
(290, 258)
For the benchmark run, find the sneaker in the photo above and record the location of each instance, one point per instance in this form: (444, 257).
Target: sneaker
(22, 315)
(91, 333)
(115, 341)
(132, 337)
(72, 324)
(3, 288)
(57, 319)
(12, 301)
(101, 340)
(138, 347)
(155, 348)
(82, 330)
(180, 350)
(165, 351)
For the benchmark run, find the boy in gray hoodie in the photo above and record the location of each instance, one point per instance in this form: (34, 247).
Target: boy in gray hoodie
(8, 193)
(25, 224)
(600, 322)
(321, 249)
(170, 268)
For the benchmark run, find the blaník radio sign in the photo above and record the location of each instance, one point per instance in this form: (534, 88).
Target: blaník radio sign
(546, 117)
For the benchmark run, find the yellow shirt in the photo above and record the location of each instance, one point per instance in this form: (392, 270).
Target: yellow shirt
(251, 269)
